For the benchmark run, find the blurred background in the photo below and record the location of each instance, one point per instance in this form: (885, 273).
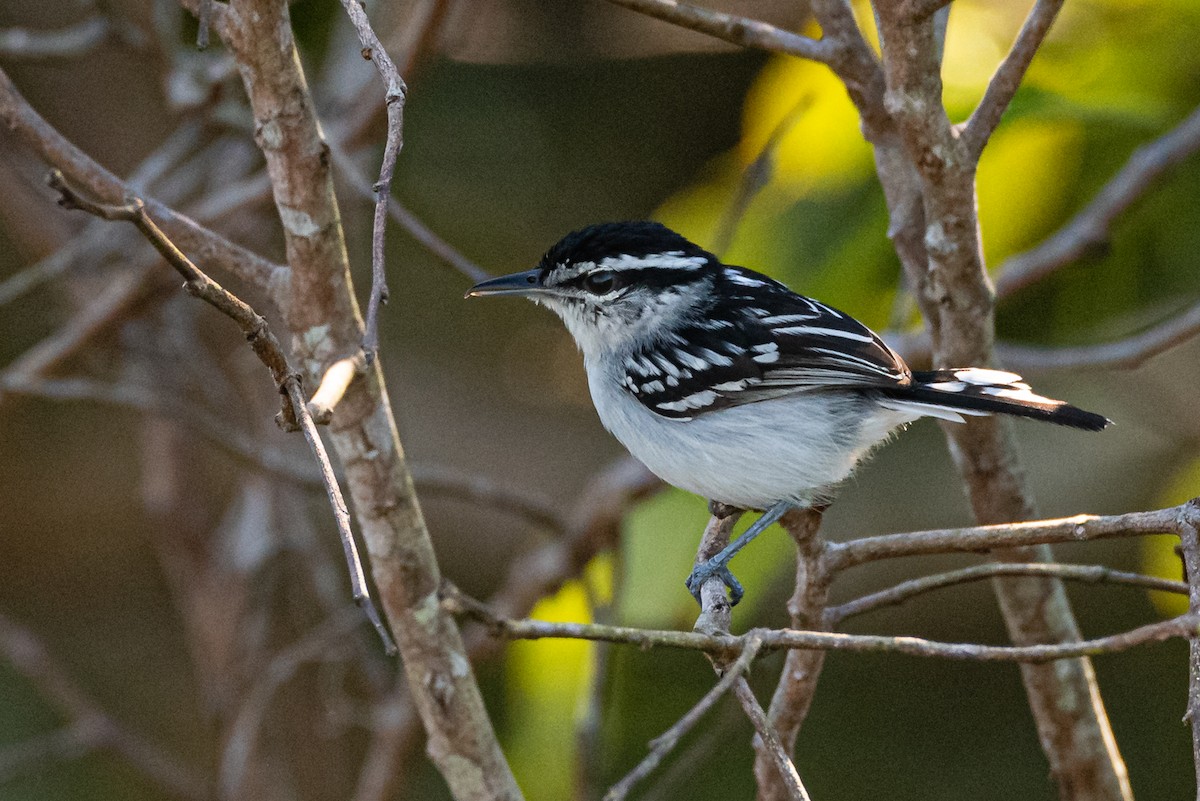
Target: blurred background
(166, 544)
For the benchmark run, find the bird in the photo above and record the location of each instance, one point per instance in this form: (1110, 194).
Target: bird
(725, 383)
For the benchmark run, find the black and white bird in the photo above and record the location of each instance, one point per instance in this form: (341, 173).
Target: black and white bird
(725, 383)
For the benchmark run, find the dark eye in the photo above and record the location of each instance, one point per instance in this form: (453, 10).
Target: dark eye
(600, 282)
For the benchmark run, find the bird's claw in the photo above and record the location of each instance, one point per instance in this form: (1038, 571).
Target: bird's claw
(714, 569)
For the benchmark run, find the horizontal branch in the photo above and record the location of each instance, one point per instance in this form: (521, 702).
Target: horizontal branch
(907, 590)
(1080, 528)
(1185, 626)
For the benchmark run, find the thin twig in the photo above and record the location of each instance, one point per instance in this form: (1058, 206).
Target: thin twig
(789, 777)
(1184, 626)
(1004, 84)
(1122, 354)
(440, 248)
(907, 590)
(238, 751)
(741, 31)
(1088, 229)
(395, 92)
(294, 412)
(666, 742)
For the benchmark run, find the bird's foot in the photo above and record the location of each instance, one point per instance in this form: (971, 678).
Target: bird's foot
(715, 568)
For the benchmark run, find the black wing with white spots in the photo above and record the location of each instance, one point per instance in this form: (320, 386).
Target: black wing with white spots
(758, 340)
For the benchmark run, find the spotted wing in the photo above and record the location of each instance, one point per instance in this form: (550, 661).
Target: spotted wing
(760, 341)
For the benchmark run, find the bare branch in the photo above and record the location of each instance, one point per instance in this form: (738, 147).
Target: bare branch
(1080, 528)
(1089, 228)
(439, 247)
(665, 743)
(395, 92)
(907, 590)
(93, 727)
(1122, 354)
(769, 742)
(1004, 84)
(797, 683)
(323, 315)
(294, 413)
(211, 248)
(737, 30)
(716, 613)
(727, 645)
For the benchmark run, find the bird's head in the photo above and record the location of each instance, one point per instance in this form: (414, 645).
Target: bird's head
(616, 285)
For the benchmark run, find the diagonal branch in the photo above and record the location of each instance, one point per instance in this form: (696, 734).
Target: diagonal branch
(1089, 229)
(1004, 84)
(731, 28)
(204, 245)
(294, 412)
(663, 744)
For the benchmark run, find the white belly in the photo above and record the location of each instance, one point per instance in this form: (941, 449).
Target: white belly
(795, 448)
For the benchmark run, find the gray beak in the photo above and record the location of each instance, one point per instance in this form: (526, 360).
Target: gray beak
(526, 283)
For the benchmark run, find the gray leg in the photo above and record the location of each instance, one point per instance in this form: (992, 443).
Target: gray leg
(719, 565)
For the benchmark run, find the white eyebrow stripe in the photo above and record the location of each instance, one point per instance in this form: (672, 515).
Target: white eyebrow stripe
(673, 259)
(824, 332)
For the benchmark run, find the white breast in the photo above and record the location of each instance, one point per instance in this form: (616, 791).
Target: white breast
(793, 448)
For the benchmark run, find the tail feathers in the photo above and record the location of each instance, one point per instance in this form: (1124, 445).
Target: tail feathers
(953, 394)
